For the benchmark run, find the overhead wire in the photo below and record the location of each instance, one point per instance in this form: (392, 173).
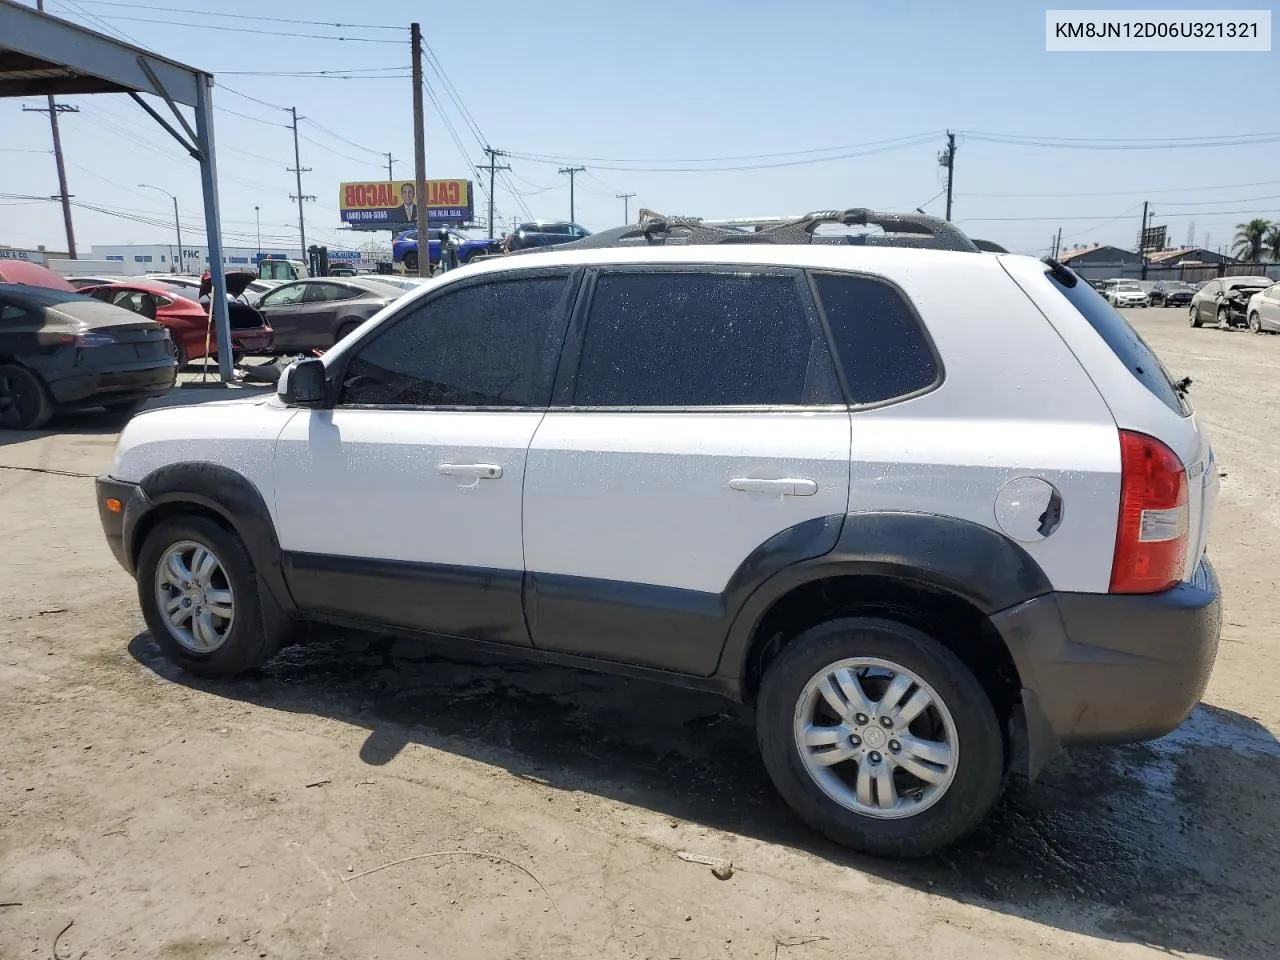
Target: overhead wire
(237, 16)
(251, 30)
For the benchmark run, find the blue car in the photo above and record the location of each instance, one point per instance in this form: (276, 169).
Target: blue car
(404, 249)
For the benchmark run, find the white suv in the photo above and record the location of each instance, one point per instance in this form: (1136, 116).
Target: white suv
(935, 513)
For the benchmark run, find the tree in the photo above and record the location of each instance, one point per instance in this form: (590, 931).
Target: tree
(1248, 240)
(1272, 242)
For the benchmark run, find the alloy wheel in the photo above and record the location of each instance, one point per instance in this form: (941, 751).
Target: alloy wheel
(876, 738)
(194, 596)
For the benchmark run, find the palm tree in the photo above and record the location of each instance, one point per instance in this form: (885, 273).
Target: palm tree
(1272, 242)
(1248, 241)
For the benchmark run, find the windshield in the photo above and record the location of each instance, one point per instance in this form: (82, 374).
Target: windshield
(1129, 288)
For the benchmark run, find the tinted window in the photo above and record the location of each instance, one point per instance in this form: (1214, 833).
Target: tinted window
(699, 339)
(317, 292)
(483, 345)
(1124, 343)
(878, 339)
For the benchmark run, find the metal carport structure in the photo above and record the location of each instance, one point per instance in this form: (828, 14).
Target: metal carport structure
(43, 55)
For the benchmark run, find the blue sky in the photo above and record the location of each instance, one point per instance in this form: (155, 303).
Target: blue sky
(665, 82)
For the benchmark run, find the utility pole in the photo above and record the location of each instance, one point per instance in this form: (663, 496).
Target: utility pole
(626, 205)
(493, 167)
(390, 175)
(572, 172)
(299, 170)
(53, 109)
(1057, 244)
(420, 157)
(1142, 240)
(947, 158)
(258, 222)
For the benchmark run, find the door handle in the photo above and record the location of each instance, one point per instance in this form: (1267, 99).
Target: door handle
(477, 471)
(787, 487)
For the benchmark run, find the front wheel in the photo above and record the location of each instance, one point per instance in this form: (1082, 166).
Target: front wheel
(411, 262)
(1255, 322)
(1195, 317)
(879, 737)
(198, 589)
(1224, 318)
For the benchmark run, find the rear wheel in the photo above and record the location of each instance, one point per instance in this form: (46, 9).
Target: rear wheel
(179, 354)
(198, 590)
(24, 402)
(346, 329)
(411, 262)
(879, 737)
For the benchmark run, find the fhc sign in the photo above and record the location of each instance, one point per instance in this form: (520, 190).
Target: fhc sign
(393, 204)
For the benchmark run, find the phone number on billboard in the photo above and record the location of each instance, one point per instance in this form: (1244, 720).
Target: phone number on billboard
(433, 213)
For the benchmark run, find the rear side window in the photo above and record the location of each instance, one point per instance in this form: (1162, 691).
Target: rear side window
(702, 340)
(1124, 342)
(879, 341)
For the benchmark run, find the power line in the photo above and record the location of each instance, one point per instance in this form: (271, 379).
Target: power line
(236, 113)
(338, 136)
(312, 73)
(238, 16)
(266, 33)
(1141, 143)
(749, 156)
(336, 153)
(1122, 193)
(265, 103)
(1191, 213)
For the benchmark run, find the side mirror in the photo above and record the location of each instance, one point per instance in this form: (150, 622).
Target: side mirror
(303, 384)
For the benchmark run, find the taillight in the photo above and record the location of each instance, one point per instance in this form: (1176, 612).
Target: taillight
(86, 340)
(1151, 542)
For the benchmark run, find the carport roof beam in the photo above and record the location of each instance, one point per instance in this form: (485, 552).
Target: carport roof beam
(41, 54)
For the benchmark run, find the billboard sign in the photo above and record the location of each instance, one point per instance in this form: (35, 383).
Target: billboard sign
(31, 256)
(392, 204)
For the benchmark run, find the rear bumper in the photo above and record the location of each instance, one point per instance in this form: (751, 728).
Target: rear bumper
(1108, 668)
(108, 385)
(251, 341)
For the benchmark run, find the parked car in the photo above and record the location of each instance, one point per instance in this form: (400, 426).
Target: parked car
(543, 233)
(33, 275)
(1264, 310)
(187, 320)
(404, 249)
(59, 349)
(1171, 293)
(1225, 301)
(741, 469)
(1125, 293)
(341, 270)
(310, 314)
(404, 284)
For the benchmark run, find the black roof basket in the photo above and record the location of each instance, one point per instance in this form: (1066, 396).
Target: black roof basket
(899, 230)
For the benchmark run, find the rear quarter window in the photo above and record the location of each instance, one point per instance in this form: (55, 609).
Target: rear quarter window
(879, 341)
(1125, 343)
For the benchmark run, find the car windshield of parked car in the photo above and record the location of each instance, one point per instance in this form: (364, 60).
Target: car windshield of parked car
(40, 297)
(283, 296)
(1249, 282)
(1129, 288)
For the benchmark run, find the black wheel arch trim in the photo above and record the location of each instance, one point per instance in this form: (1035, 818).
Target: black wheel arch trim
(958, 557)
(229, 495)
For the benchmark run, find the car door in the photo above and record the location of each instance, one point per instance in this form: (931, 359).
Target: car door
(1207, 304)
(322, 307)
(283, 307)
(1269, 307)
(697, 418)
(401, 504)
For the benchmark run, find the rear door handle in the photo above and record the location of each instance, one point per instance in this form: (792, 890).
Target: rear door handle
(477, 471)
(786, 487)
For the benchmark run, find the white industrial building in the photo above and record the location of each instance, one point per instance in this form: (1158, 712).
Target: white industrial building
(163, 257)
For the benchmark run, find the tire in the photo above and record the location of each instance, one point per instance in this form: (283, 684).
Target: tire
(1224, 318)
(25, 404)
(1255, 322)
(179, 354)
(411, 262)
(345, 329)
(948, 810)
(1195, 317)
(241, 640)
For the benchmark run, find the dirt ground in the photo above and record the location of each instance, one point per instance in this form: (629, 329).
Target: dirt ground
(160, 816)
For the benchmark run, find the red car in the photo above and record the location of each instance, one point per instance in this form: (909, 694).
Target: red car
(186, 319)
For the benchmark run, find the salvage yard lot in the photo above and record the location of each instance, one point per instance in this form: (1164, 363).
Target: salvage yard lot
(167, 817)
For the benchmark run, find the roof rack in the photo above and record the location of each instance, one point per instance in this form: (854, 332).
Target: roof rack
(899, 230)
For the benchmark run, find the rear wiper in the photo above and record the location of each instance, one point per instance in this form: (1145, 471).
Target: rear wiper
(1183, 386)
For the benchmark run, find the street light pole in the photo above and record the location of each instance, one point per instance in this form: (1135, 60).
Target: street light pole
(182, 259)
(258, 221)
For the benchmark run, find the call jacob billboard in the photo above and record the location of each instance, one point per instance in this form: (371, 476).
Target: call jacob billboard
(391, 204)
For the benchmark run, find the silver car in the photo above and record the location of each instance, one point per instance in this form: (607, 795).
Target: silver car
(317, 313)
(1126, 293)
(1264, 310)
